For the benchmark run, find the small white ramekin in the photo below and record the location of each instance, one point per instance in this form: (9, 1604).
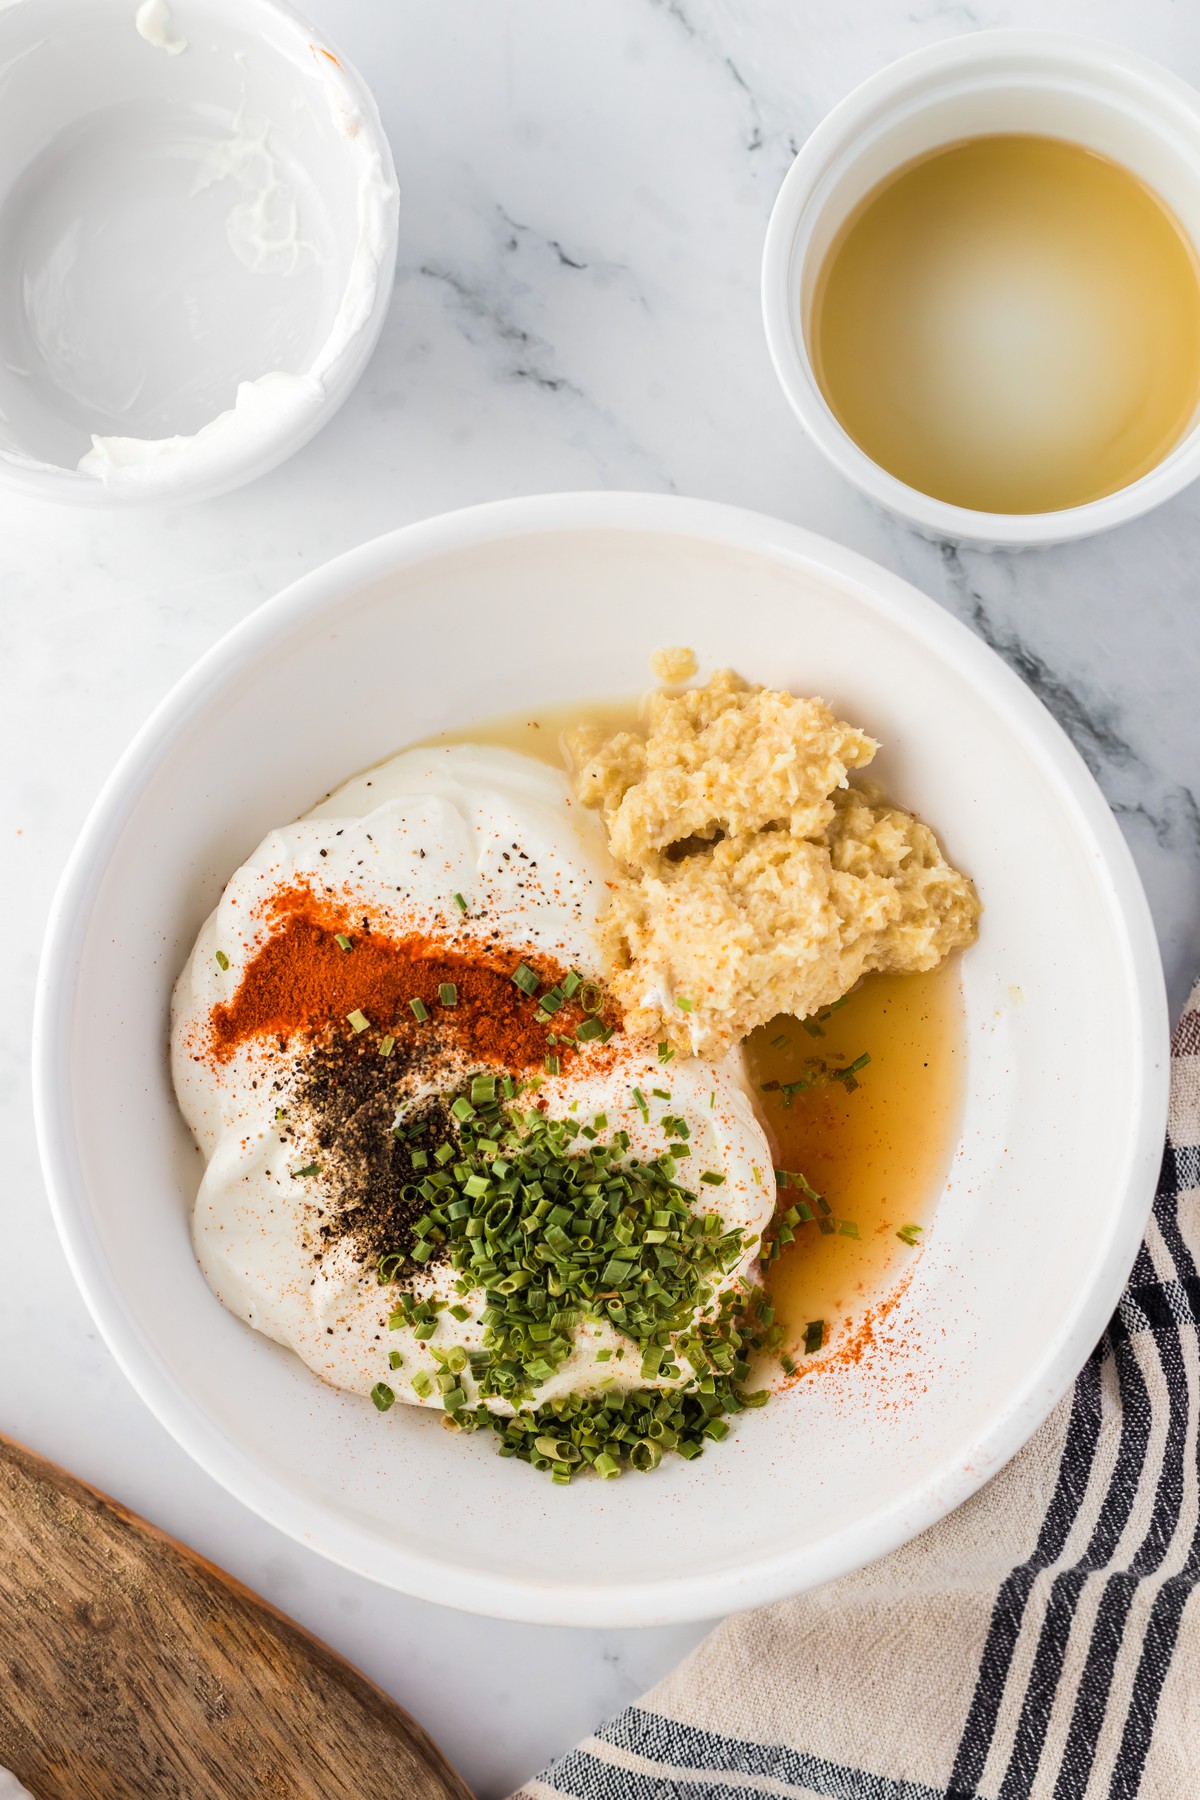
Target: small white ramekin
(198, 211)
(1052, 83)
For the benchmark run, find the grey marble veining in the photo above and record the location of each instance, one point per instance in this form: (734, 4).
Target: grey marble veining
(585, 189)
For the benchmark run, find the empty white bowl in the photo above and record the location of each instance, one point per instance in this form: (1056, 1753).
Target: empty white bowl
(1050, 83)
(198, 212)
(537, 601)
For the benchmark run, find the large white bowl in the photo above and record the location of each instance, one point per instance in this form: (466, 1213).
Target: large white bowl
(514, 605)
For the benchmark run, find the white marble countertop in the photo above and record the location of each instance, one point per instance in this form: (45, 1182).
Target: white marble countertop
(585, 189)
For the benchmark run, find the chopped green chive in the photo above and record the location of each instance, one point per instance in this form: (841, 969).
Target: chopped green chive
(848, 1075)
(781, 1042)
(814, 1336)
(910, 1234)
(342, 941)
(222, 960)
(460, 903)
(551, 1225)
(848, 1228)
(308, 1169)
(787, 1365)
(591, 997)
(666, 1051)
(684, 1004)
(713, 1179)
(591, 1028)
(383, 1396)
(420, 1011)
(553, 1065)
(386, 1046)
(524, 978)
(814, 1024)
(448, 993)
(358, 1020)
(572, 984)
(395, 1360)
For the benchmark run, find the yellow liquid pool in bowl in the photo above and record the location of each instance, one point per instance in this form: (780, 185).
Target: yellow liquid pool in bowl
(1011, 323)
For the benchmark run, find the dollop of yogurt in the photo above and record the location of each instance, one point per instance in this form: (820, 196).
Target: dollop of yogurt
(406, 845)
(153, 22)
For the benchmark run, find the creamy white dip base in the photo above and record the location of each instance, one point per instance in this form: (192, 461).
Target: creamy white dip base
(400, 841)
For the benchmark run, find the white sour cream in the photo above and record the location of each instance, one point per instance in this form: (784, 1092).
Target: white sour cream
(401, 841)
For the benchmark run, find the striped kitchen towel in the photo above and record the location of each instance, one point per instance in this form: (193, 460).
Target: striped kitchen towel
(1042, 1643)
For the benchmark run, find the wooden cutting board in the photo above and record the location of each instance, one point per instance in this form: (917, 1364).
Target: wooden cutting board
(130, 1667)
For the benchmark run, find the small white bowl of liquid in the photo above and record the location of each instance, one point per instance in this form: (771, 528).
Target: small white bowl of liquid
(198, 211)
(981, 287)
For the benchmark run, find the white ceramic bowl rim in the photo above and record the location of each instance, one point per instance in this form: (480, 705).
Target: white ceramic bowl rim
(702, 1593)
(1051, 56)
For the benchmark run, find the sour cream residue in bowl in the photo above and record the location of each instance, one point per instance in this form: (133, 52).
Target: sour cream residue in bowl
(198, 264)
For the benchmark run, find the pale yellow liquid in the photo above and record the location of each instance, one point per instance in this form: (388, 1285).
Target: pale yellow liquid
(1011, 324)
(879, 1154)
